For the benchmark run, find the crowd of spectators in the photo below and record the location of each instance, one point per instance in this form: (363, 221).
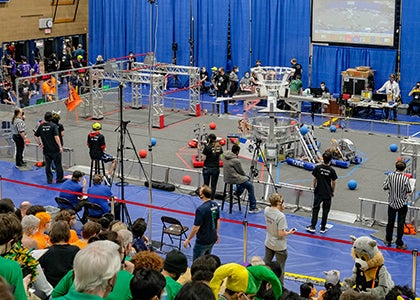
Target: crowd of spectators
(42, 257)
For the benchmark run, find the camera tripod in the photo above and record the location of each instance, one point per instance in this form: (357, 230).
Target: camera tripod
(120, 158)
(258, 152)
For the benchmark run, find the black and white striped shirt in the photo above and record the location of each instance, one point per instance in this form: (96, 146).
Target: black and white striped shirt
(398, 186)
(18, 126)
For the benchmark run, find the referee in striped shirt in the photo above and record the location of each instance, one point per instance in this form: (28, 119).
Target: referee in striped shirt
(398, 187)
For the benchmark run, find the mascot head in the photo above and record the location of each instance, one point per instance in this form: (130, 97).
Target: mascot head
(366, 253)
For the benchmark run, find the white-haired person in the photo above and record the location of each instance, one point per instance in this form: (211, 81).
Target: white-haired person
(30, 226)
(95, 270)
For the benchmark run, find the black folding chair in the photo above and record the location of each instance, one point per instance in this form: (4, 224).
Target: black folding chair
(174, 229)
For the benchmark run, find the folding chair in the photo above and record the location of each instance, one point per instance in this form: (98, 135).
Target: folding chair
(93, 207)
(173, 228)
(63, 203)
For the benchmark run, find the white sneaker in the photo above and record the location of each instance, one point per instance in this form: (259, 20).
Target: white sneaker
(310, 229)
(323, 230)
(254, 211)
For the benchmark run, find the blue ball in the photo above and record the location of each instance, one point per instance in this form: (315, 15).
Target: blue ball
(304, 130)
(333, 128)
(352, 184)
(393, 148)
(153, 141)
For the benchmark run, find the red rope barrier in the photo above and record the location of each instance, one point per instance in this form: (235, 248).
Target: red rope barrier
(182, 212)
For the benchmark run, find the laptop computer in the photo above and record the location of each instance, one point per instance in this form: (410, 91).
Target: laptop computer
(380, 97)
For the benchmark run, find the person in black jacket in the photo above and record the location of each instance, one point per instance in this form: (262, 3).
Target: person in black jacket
(212, 150)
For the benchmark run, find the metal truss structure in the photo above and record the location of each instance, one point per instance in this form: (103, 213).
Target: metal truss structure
(152, 75)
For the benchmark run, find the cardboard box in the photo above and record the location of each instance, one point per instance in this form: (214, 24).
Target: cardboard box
(363, 68)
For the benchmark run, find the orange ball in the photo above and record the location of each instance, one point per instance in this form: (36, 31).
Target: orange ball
(212, 126)
(143, 153)
(186, 180)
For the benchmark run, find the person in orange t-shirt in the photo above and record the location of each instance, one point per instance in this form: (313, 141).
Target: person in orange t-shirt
(89, 229)
(41, 238)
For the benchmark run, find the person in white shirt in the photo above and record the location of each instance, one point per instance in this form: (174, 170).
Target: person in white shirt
(391, 87)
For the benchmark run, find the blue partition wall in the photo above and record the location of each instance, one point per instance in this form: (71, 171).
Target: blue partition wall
(271, 30)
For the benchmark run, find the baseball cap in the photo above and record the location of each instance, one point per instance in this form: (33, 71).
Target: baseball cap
(214, 69)
(79, 56)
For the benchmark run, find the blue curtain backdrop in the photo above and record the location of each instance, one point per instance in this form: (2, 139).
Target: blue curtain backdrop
(410, 50)
(280, 31)
(240, 35)
(329, 61)
(211, 29)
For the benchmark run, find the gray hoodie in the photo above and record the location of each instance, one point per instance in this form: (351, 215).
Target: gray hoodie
(232, 169)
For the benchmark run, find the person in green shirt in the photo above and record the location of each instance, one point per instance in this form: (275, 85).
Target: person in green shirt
(174, 266)
(11, 232)
(95, 271)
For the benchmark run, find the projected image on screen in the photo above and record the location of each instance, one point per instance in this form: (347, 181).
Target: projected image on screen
(354, 22)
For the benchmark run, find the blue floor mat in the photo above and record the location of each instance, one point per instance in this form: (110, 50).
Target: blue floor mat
(309, 254)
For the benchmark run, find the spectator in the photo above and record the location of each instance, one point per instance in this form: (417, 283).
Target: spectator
(120, 289)
(245, 84)
(30, 225)
(195, 290)
(25, 93)
(68, 216)
(241, 281)
(11, 232)
(140, 241)
(307, 290)
(206, 225)
(126, 238)
(24, 206)
(40, 236)
(233, 81)
(174, 266)
(147, 285)
(49, 89)
(5, 91)
(147, 260)
(89, 229)
(332, 286)
(95, 271)
(79, 52)
(131, 60)
(203, 268)
(5, 290)
(58, 259)
(221, 86)
(204, 79)
(234, 174)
